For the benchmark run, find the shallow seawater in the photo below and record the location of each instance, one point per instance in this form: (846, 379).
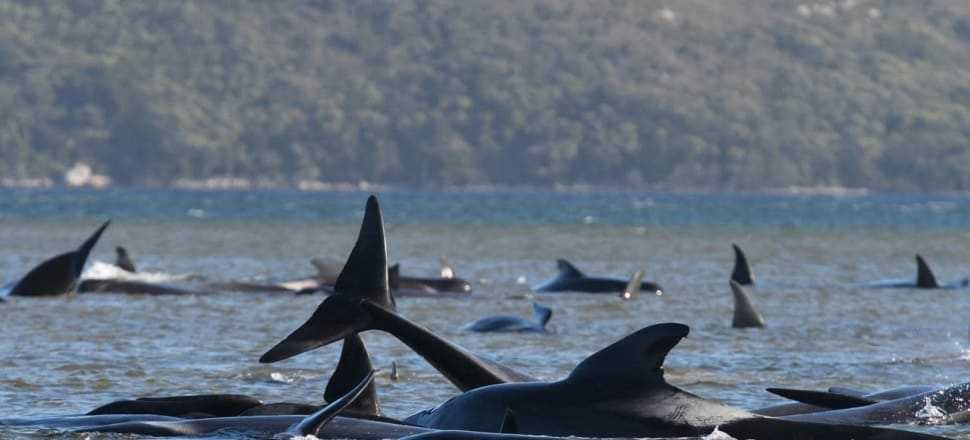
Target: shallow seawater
(809, 254)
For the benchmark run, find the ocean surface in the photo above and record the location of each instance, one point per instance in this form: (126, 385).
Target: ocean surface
(809, 255)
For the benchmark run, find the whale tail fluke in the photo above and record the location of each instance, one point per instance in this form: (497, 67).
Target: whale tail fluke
(632, 289)
(542, 314)
(924, 275)
(58, 275)
(312, 424)
(745, 315)
(742, 272)
(354, 366)
(567, 270)
(362, 280)
(635, 360)
(123, 260)
(447, 271)
(823, 399)
(365, 273)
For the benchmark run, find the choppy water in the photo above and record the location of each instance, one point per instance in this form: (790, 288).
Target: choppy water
(64, 356)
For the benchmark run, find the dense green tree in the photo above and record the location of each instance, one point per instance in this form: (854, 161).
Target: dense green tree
(726, 95)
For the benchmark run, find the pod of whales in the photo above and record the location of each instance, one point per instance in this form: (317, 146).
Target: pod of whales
(618, 391)
(58, 275)
(745, 315)
(570, 279)
(362, 301)
(507, 323)
(925, 279)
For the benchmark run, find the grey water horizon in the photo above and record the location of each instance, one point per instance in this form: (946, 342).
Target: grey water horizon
(809, 254)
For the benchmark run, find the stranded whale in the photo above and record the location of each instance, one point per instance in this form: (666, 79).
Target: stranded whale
(362, 301)
(58, 275)
(507, 323)
(571, 279)
(620, 391)
(925, 279)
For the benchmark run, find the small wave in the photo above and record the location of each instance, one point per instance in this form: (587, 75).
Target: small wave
(717, 434)
(100, 270)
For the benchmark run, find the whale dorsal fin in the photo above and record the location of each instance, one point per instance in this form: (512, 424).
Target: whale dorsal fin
(447, 271)
(365, 273)
(354, 365)
(541, 313)
(924, 276)
(509, 426)
(822, 398)
(123, 260)
(567, 270)
(311, 424)
(745, 315)
(632, 288)
(635, 360)
(742, 272)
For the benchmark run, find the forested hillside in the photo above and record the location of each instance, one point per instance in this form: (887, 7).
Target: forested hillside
(734, 94)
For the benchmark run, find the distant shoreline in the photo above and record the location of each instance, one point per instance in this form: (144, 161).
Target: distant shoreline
(243, 184)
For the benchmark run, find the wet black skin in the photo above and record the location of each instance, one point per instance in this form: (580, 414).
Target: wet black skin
(620, 392)
(925, 279)
(570, 279)
(133, 288)
(58, 275)
(362, 301)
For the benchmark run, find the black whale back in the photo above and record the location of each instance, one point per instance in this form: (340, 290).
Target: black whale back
(58, 275)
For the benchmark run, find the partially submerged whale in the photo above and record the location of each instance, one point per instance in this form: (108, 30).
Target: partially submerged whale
(58, 275)
(354, 365)
(925, 279)
(114, 285)
(509, 324)
(572, 280)
(936, 407)
(321, 281)
(742, 272)
(362, 301)
(620, 391)
(322, 424)
(192, 406)
(745, 315)
(447, 283)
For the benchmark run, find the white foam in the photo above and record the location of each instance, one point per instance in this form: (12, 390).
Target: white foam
(717, 434)
(100, 270)
(281, 377)
(931, 414)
